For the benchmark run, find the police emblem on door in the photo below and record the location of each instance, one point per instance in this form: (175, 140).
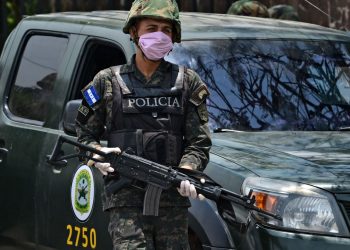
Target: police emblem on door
(83, 193)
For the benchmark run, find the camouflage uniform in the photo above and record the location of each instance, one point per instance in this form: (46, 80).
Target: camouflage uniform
(129, 229)
(130, 233)
(248, 8)
(283, 11)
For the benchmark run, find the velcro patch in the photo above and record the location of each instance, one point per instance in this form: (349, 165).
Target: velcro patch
(83, 110)
(91, 96)
(199, 95)
(203, 112)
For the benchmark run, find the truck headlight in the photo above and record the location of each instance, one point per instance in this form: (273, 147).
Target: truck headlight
(301, 206)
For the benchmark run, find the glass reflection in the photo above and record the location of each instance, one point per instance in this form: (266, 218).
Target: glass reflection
(259, 85)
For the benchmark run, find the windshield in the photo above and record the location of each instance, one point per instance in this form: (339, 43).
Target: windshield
(259, 85)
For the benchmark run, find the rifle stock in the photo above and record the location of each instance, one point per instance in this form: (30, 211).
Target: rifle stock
(156, 178)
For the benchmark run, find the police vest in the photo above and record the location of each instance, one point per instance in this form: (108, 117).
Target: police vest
(149, 120)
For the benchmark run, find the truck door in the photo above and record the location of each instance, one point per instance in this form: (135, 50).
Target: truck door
(33, 68)
(70, 207)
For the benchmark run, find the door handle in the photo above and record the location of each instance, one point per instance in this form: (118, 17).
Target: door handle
(3, 154)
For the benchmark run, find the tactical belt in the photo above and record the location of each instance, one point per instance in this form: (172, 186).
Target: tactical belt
(160, 146)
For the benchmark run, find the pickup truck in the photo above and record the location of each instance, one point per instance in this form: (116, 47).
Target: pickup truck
(279, 116)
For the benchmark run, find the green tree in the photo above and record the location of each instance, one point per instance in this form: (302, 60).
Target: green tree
(15, 11)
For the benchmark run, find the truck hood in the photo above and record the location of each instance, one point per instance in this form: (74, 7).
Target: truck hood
(321, 159)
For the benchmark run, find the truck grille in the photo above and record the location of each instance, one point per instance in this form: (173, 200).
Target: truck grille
(346, 209)
(346, 206)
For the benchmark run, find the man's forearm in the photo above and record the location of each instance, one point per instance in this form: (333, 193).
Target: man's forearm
(196, 152)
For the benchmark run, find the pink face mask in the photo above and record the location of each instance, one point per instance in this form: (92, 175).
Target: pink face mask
(155, 45)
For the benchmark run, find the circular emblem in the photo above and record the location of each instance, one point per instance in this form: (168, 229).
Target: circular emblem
(83, 193)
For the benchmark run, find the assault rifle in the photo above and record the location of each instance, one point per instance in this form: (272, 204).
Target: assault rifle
(156, 178)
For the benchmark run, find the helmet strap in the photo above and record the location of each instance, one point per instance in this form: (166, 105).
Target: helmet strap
(134, 37)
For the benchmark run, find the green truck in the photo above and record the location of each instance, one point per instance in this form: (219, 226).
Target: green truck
(279, 116)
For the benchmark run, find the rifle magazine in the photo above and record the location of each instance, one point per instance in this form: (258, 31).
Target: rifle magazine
(151, 200)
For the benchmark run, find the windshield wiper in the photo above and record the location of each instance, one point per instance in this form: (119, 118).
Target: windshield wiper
(344, 128)
(222, 130)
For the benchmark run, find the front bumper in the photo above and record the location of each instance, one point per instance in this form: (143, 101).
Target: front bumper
(258, 237)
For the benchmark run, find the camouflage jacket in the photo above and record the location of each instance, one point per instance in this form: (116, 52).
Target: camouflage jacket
(93, 121)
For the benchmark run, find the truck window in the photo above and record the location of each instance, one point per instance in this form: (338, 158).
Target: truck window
(98, 55)
(274, 85)
(35, 77)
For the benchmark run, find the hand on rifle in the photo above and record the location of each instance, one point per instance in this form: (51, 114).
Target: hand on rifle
(104, 167)
(188, 190)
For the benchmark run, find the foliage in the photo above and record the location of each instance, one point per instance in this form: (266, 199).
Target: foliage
(14, 13)
(11, 16)
(30, 7)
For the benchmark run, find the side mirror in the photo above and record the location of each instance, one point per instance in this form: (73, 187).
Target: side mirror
(69, 115)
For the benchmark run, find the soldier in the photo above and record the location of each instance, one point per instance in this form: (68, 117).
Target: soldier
(248, 8)
(283, 11)
(157, 109)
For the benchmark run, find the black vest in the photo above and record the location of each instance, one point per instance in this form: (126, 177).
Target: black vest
(149, 120)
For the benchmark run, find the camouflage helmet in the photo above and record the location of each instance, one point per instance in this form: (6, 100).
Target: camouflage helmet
(248, 8)
(156, 9)
(284, 11)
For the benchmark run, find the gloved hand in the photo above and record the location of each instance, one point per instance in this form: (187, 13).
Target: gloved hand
(104, 167)
(188, 190)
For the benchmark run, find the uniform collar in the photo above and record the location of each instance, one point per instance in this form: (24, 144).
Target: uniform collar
(156, 78)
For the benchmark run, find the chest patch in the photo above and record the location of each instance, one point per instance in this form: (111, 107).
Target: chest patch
(166, 104)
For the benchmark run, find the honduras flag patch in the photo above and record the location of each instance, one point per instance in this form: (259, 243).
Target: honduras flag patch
(91, 96)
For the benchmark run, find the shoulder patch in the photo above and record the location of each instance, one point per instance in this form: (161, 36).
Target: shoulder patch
(199, 95)
(203, 112)
(83, 110)
(91, 96)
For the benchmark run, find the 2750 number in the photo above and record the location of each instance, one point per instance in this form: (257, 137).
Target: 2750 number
(81, 236)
